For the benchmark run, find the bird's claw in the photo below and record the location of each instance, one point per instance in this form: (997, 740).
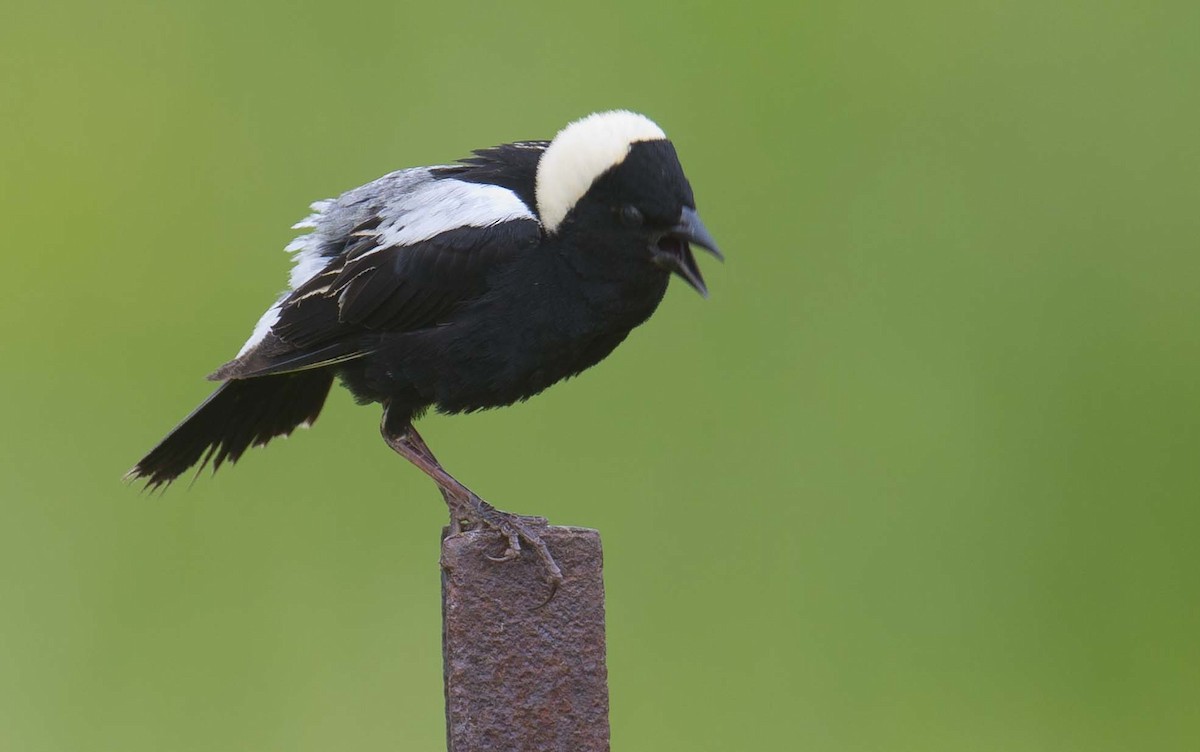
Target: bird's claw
(512, 552)
(517, 528)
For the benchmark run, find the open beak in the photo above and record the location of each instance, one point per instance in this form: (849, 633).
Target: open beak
(673, 250)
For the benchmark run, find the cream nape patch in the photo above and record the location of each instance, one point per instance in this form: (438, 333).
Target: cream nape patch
(582, 152)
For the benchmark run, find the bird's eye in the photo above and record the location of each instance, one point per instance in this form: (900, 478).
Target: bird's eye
(631, 216)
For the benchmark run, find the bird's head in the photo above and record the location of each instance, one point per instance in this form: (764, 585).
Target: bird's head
(615, 175)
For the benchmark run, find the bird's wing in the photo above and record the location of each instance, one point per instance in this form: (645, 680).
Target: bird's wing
(396, 255)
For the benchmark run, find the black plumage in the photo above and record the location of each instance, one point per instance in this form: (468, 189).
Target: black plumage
(459, 287)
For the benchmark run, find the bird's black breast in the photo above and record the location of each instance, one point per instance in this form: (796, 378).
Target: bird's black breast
(539, 322)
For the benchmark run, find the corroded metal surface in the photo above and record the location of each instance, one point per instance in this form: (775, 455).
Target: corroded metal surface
(522, 676)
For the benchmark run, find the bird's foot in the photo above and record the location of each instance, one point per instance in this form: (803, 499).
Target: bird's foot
(515, 528)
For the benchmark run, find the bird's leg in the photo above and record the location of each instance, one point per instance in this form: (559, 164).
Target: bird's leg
(457, 512)
(465, 504)
(414, 440)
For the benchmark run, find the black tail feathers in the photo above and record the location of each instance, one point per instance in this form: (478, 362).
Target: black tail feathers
(240, 414)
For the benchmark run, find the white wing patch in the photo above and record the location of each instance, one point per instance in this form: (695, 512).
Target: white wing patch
(582, 152)
(442, 205)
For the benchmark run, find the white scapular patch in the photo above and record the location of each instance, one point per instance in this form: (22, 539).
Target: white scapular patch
(441, 205)
(582, 152)
(268, 320)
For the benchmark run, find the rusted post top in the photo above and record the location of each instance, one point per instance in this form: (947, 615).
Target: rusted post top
(519, 677)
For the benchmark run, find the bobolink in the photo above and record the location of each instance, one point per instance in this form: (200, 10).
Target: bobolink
(461, 287)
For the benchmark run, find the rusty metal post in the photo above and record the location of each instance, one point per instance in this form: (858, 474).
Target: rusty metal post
(519, 677)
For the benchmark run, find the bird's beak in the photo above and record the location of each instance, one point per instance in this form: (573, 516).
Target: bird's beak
(673, 252)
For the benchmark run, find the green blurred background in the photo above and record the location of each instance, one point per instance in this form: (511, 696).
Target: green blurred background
(921, 475)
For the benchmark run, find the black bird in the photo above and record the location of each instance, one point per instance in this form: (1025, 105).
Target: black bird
(461, 287)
